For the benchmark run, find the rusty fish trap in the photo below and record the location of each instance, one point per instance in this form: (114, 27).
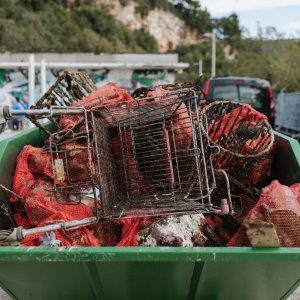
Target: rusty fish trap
(201, 98)
(68, 88)
(73, 159)
(241, 136)
(144, 156)
(151, 157)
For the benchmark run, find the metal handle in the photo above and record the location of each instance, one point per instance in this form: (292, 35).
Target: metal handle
(15, 235)
(7, 113)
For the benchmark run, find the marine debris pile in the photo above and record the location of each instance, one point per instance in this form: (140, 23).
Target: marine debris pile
(159, 167)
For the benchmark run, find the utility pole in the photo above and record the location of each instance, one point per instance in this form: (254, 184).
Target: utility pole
(43, 77)
(213, 53)
(200, 67)
(31, 79)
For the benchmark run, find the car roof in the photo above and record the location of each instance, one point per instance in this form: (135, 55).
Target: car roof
(239, 78)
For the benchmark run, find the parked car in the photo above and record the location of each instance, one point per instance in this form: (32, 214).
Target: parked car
(254, 91)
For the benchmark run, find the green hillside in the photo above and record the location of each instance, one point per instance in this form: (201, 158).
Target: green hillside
(81, 26)
(70, 26)
(51, 26)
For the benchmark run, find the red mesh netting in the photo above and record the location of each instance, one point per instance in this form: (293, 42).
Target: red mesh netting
(280, 205)
(77, 162)
(107, 94)
(262, 170)
(180, 120)
(34, 176)
(136, 176)
(234, 119)
(130, 229)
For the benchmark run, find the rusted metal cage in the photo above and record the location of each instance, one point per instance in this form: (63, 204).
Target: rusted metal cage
(151, 157)
(68, 88)
(145, 156)
(241, 137)
(74, 163)
(196, 87)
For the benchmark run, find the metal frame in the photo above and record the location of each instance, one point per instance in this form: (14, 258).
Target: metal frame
(227, 150)
(129, 118)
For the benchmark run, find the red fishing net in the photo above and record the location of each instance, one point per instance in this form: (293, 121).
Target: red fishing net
(129, 231)
(137, 182)
(130, 228)
(234, 119)
(180, 120)
(280, 205)
(34, 182)
(107, 94)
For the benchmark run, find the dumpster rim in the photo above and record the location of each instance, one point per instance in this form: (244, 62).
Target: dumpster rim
(144, 254)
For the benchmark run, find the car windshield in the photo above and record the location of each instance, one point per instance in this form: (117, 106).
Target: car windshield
(225, 92)
(252, 95)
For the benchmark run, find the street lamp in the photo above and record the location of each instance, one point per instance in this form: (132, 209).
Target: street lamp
(212, 35)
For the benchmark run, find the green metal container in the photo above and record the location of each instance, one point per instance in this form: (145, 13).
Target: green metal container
(149, 273)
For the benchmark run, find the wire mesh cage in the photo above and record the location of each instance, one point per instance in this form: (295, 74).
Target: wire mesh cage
(196, 87)
(241, 136)
(145, 156)
(68, 88)
(151, 156)
(74, 163)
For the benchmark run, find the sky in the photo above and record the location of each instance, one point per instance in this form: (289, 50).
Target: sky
(283, 14)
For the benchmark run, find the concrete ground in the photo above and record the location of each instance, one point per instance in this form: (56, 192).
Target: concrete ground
(9, 133)
(4, 296)
(295, 295)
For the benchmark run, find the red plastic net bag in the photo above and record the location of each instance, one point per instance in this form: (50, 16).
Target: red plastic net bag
(234, 119)
(180, 120)
(39, 206)
(280, 205)
(34, 182)
(107, 94)
(130, 229)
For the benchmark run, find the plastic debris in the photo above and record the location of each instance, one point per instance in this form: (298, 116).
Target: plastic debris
(279, 205)
(129, 161)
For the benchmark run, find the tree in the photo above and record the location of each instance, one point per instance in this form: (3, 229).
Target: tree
(192, 54)
(50, 26)
(229, 28)
(284, 66)
(193, 15)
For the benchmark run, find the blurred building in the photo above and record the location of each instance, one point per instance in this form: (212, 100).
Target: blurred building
(21, 73)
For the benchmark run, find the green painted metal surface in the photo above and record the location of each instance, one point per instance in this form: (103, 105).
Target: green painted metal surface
(148, 273)
(286, 165)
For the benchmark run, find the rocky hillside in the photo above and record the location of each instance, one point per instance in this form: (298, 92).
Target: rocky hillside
(100, 25)
(168, 29)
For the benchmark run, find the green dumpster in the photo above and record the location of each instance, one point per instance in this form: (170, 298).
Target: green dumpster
(149, 273)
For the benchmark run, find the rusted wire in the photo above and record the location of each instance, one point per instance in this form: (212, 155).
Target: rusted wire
(68, 88)
(147, 149)
(243, 137)
(147, 157)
